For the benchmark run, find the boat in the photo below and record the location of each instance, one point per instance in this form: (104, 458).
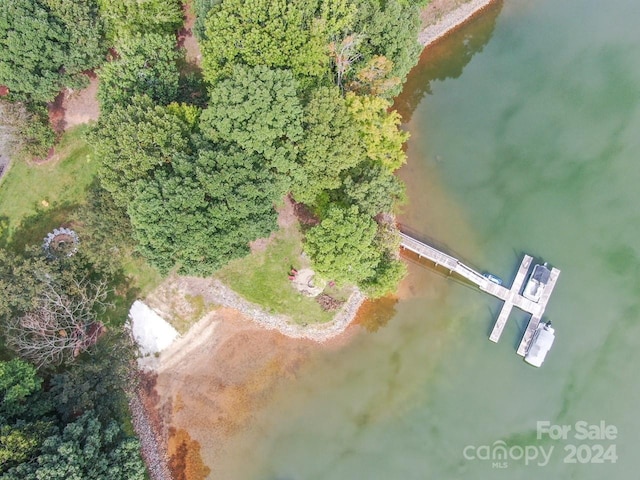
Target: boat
(537, 281)
(492, 278)
(540, 345)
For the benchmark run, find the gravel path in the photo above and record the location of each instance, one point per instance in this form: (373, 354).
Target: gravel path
(452, 20)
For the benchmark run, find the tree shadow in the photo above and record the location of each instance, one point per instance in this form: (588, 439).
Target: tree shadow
(446, 58)
(35, 227)
(375, 314)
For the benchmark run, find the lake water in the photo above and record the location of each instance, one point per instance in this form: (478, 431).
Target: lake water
(525, 138)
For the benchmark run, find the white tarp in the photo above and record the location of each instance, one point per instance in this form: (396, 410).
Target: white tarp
(150, 331)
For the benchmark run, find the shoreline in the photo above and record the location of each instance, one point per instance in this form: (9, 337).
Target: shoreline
(451, 21)
(153, 447)
(440, 28)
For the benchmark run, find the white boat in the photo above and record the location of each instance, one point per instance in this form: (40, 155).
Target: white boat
(537, 281)
(540, 345)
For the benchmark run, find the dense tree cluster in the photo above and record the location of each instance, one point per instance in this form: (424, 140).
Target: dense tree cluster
(145, 65)
(70, 431)
(66, 421)
(295, 103)
(126, 18)
(45, 45)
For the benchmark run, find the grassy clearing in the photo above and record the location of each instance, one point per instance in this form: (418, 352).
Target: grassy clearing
(34, 199)
(262, 278)
(37, 197)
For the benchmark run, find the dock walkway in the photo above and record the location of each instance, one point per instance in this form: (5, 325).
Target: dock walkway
(510, 296)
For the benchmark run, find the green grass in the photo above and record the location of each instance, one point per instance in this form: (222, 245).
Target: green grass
(145, 277)
(262, 278)
(34, 199)
(37, 197)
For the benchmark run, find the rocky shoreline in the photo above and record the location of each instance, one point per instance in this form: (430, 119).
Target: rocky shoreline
(226, 297)
(452, 20)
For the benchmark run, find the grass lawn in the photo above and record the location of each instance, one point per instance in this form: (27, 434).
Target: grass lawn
(35, 199)
(262, 278)
(38, 197)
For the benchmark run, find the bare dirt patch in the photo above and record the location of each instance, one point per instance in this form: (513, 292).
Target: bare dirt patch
(71, 108)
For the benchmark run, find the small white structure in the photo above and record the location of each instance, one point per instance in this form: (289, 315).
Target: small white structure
(150, 331)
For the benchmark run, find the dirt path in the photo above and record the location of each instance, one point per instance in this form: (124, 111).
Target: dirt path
(186, 38)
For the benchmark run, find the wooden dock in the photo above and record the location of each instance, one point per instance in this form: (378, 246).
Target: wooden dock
(510, 296)
(442, 259)
(513, 295)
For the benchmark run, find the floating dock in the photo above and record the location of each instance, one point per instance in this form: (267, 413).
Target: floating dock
(510, 296)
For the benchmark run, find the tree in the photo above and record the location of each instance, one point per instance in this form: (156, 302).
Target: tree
(25, 128)
(32, 50)
(202, 8)
(391, 30)
(373, 188)
(388, 273)
(375, 78)
(97, 382)
(146, 66)
(85, 450)
(23, 409)
(43, 50)
(63, 324)
(379, 130)
(342, 246)
(344, 53)
(291, 34)
(82, 20)
(330, 146)
(126, 18)
(133, 141)
(202, 214)
(258, 109)
(19, 283)
(105, 229)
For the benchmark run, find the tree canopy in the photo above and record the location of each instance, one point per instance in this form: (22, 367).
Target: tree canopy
(134, 140)
(290, 34)
(37, 444)
(203, 213)
(191, 202)
(342, 246)
(331, 145)
(390, 29)
(146, 65)
(378, 128)
(257, 108)
(126, 18)
(44, 45)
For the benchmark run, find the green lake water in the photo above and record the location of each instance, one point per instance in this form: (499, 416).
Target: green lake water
(525, 138)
